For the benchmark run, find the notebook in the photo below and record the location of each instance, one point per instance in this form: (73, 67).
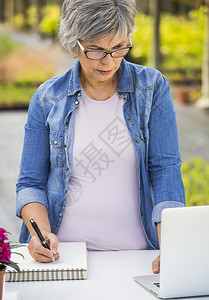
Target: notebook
(71, 265)
(184, 264)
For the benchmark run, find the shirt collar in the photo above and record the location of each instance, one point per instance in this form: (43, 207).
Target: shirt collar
(74, 85)
(125, 82)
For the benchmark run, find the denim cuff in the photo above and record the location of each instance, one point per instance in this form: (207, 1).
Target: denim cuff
(30, 195)
(157, 210)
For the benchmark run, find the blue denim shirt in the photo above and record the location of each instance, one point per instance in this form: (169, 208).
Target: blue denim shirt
(148, 109)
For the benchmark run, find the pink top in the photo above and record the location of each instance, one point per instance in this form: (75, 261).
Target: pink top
(102, 205)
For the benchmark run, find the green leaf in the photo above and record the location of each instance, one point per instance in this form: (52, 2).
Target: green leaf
(16, 246)
(195, 175)
(19, 254)
(12, 265)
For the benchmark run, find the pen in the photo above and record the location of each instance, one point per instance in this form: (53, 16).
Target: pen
(42, 239)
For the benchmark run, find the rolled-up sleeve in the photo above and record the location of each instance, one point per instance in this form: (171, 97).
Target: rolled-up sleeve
(164, 159)
(34, 167)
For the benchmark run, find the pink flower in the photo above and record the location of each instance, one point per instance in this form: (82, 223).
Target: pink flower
(5, 252)
(3, 235)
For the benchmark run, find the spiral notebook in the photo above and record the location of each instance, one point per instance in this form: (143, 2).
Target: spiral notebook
(71, 265)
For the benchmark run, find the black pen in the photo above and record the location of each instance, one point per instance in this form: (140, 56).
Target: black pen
(42, 239)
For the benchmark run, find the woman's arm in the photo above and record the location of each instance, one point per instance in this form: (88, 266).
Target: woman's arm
(156, 262)
(34, 167)
(32, 201)
(39, 213)
(164, 158)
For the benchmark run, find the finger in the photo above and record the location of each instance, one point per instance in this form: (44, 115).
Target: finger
(53, 242)
(41, 258)
(35, 247)
(156, 265)
(38, 252)
(44, 259)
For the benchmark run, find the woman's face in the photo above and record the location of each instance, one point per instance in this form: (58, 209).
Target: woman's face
(103, 69)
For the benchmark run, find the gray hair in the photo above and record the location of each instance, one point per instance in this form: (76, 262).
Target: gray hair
(93, 19)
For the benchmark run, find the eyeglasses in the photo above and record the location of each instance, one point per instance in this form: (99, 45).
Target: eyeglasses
(99, 54)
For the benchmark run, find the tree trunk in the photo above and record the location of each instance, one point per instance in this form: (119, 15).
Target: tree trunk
(24, 8)
(40, 5)
(2, 10)
(9, 10)
(59, 2)
(143, 6)
(155, 11)
(204, 101)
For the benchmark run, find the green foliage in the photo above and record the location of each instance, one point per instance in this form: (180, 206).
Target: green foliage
(19, 21)
(50, 20)
(32, 76)
(181, 40)
(142, 39)
(14, 96)
(7, 46)
(195, 174)
(49, 23)
(30, 21)
(32, 16)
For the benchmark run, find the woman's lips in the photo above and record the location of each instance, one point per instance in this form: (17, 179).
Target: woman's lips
(104, 72)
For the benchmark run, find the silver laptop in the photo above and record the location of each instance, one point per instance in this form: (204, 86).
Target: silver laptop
(184, 263)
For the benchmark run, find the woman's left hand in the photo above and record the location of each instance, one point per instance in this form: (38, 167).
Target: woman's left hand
(156, 265)
(156, 262)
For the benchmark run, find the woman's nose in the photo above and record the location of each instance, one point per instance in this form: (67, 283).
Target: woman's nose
(107, 59)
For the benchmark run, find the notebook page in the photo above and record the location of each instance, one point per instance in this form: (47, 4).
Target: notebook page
(73, 255)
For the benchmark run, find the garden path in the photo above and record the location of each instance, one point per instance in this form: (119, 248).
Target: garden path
(193, 129)
(48, 48)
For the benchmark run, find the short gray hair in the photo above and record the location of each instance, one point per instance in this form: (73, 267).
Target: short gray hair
(93, 19)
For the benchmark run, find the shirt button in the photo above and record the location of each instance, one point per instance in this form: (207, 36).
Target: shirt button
(66, 123)
(60, 214)
(79, 94)
(55, 142)
(76, 102)
(142, 214)
(136, 140)
(129, 119)
(65, 146)
(65, 191)
(67, 169)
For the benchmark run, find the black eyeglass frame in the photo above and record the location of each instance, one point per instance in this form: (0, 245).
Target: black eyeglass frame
(103, 51)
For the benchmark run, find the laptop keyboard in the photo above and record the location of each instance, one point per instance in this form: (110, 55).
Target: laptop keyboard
(157, 284)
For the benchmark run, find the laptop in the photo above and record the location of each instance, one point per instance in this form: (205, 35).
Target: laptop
(184, 254)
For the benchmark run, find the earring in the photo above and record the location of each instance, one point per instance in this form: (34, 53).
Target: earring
(74, 56)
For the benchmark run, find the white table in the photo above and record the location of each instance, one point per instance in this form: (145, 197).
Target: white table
(110, 276)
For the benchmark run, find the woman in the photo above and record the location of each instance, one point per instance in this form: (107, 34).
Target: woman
(100, 158)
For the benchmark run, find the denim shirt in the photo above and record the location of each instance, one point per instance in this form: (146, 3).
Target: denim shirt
(149, 113)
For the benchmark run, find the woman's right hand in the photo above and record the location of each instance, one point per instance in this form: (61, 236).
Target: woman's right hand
(41, 254)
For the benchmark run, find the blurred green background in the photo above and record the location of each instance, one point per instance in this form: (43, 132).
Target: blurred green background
(180, 58)
(181, 25)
